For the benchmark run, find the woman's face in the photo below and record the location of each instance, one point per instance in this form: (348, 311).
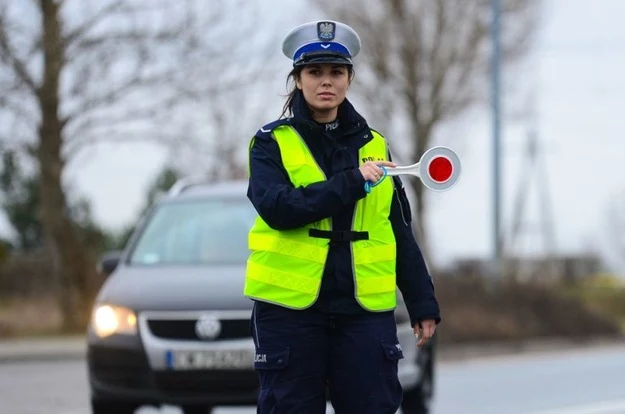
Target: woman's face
(324, 86)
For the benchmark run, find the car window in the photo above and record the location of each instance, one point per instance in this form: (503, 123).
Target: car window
(196, 232)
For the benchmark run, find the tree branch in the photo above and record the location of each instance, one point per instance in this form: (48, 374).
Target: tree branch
(464, 60)
(136, 115)
(9, 55)
(117, 92)
(8, 102)
(124, 39)
(119, 136)
(80, 31)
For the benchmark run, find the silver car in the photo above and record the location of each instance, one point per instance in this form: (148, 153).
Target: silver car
(170, 324)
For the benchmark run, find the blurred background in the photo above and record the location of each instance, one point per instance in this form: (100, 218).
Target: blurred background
(105, 104)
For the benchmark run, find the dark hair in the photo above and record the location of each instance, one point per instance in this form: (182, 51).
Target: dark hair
(287, 109)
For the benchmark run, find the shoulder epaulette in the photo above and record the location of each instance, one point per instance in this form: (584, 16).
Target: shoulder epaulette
(265, 130)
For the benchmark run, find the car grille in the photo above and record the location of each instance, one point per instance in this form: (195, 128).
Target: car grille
(202, 382)
(185, 329)
(120, 367)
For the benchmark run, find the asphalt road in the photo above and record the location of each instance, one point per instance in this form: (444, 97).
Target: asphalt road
(588, 381)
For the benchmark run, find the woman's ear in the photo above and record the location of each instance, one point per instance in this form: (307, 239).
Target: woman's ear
(298, 83)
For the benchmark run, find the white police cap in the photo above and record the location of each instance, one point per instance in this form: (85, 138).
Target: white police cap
(323, 41)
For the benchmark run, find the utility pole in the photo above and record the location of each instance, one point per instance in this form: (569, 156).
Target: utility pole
(496, 114)
(534, 174)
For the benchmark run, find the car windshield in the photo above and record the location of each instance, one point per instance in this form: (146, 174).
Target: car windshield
(197, 232)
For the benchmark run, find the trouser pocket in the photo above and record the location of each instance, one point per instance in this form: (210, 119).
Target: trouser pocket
(270, 364)
(392, 353)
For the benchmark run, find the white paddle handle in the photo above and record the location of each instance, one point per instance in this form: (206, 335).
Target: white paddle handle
(408, 169)
(450, 178)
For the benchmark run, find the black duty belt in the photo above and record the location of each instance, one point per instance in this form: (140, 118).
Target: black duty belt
(339, 236)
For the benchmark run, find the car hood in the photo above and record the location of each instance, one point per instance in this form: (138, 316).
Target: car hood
(176, 288)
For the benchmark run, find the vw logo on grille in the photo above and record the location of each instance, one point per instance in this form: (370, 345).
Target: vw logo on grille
(207, 327)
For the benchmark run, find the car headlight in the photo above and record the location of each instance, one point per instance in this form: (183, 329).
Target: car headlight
(108, 320)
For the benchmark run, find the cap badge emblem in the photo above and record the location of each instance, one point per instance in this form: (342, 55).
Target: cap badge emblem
(325, 30)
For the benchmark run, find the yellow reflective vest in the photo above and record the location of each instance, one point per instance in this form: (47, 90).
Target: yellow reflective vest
(285, 267)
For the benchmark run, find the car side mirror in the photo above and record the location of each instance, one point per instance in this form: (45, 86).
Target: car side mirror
(109, 262)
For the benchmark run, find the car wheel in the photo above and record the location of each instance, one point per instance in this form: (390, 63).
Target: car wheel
(419, 399)
(195, 409)
(109, 407)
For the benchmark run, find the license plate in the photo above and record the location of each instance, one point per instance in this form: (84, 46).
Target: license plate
(210, 359)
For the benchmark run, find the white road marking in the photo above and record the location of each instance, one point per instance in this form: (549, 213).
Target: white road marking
(601, 407)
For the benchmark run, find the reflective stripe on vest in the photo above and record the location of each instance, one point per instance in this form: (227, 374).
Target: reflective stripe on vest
(286, 266)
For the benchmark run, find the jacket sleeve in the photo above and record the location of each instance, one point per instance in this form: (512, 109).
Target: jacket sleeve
(413, 278)
(283, 206)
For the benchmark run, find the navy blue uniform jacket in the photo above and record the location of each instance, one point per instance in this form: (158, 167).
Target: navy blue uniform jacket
(282, 206)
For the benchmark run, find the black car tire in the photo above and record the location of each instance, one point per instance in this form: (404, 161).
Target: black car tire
(419, 399)
(195, 409)
(109, 407)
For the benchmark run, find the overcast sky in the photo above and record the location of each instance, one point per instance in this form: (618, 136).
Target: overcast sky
(576, 71)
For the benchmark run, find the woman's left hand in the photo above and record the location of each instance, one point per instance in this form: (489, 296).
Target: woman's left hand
(424, 330)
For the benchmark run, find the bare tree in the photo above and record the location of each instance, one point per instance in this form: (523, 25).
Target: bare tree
(424, 62)
(76, 72)
(231, 122)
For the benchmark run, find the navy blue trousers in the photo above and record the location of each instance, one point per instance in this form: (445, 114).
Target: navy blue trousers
(302, 355)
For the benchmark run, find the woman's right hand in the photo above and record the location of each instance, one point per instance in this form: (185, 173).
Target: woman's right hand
(371, 170)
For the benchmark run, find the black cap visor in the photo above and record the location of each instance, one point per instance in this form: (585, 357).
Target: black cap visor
(323, 57)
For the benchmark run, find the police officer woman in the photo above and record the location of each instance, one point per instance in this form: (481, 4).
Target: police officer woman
(327, 255)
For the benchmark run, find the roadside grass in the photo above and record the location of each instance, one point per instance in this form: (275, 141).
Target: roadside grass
(473, 311)
(603, 295)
